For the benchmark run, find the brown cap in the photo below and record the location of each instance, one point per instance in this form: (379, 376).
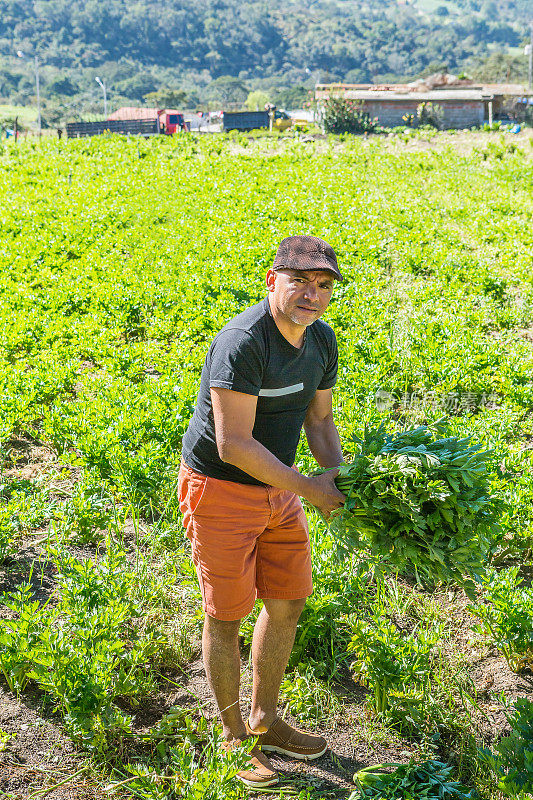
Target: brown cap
(306, 252)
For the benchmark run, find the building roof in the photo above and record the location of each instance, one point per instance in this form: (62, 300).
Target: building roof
(436, 96)
(507, 88)
(438, 80)
(439, 86)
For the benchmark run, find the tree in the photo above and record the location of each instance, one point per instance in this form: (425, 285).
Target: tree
(8, 121)
(8, 82)
(166, 98)
(227, 90)
(51, 115)
(137, 86)
(357, 75)
(61, 85)
(500, 68)
(429, 114)
(347, 116)
(141, 47)
(256, 100)
(26, 85)
(432, 68)
(293, 97)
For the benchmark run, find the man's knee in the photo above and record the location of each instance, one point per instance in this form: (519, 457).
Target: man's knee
(221, 629)
(285, 610)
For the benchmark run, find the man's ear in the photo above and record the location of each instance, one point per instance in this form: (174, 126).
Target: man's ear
(270, 280)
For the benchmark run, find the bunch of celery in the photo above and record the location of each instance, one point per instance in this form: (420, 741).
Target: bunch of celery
(419, 501)
(428, 781)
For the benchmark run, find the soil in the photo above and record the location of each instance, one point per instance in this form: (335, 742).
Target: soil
(460, 141)
(40, 755)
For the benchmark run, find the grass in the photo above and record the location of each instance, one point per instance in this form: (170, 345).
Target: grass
(120, 260)
(26, 114)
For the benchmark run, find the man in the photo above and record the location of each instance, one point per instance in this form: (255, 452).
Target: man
(268, 372)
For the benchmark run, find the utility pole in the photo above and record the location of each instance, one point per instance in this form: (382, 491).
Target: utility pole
(530, 70)
(20, 54)
(102, 84)
(37, 87)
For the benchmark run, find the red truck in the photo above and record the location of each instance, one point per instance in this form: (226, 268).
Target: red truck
(170, 120)
(130, 120)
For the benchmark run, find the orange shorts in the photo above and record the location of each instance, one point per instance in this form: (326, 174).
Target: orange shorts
(247, 542)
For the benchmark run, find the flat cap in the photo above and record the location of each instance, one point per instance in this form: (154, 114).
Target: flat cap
(306, 252)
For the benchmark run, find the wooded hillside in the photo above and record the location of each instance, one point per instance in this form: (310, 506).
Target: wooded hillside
(151, 44)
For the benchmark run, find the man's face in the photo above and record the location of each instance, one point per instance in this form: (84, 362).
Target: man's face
(301, 295)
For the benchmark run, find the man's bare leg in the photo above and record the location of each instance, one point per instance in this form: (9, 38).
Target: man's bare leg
(220, 646)
(272, 643)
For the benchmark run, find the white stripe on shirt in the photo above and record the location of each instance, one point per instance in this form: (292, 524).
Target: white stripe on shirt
(296, 387)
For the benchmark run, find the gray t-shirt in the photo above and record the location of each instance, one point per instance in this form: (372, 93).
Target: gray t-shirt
(250, 355)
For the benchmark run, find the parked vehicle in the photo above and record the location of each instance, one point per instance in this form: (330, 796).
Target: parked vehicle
(170, 119)
(302, 119)
(142, 127)
(250, 120)
(141, 121)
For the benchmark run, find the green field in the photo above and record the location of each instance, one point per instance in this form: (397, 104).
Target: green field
(120, 262)
(26, 114)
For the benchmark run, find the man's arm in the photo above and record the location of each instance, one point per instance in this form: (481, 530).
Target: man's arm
(234, 415)
(320, 430)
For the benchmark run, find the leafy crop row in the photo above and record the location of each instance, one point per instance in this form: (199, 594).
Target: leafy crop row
(120, 260)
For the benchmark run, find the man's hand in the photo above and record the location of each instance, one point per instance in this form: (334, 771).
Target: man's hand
(323, 493)
(234, 414)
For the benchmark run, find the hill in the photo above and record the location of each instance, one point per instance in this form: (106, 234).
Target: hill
(182, 44)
